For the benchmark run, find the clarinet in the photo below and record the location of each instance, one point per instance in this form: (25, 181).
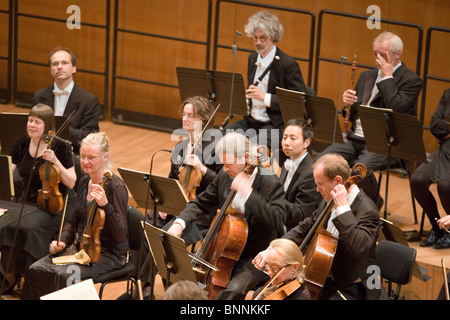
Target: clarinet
(258, 81)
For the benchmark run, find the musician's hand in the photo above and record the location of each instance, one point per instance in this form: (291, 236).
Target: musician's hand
(98, 193)
(175, 229)
(444, 222)
(260, 260)
(339, 195)
(384, 64)
(194, 161)
(241, 184)
(50, 156)
(254, 92)
(163, 215)
(349, 97)
(56, 247)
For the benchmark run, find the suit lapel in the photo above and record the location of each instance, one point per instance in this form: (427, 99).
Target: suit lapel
(72, 101)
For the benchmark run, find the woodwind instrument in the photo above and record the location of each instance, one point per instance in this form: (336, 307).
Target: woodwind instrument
(347, 107)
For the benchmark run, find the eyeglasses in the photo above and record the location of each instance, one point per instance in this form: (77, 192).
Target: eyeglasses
(320, 185)
(261, 39)
(274, 269)
(89, 158)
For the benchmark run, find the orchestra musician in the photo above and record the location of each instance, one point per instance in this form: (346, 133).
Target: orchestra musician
(301, 196)
(390, 86)
(44, 276)
(195, 111)
(38, 228)
(260, 200)
(64, 96)
(284, 254)
(354, 221)
(266, 31)
(437, 170)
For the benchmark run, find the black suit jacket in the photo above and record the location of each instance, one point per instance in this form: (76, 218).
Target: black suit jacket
(84, 121)
(358, 233)
(264, 212)
(399, 93)
(301, 196)
(285, 74)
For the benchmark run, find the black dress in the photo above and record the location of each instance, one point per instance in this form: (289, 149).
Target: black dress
(37, 229)
(44, 277)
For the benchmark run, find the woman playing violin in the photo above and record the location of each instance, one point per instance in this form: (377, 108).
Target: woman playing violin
(28, 155)
(195, 111)
(285, 266)
(44, 276)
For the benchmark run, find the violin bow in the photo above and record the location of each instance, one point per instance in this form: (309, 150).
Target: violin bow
(62, 218)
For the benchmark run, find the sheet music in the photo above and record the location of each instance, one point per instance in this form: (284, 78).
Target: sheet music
(84, 290)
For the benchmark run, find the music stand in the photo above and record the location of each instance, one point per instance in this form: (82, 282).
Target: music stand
(165, 194)
(319, 111)
(6, 179)
(391, 232)
(169, 254)
(216, 86)
(393, 134)
(14, 126)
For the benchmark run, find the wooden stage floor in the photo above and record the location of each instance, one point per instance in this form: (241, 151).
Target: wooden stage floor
(133, 147)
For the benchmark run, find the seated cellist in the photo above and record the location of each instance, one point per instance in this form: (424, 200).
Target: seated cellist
(259, 198)
(354, 222)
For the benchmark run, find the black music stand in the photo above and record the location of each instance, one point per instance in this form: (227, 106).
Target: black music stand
(214, 85)
(165, 194)
(319, 111)
(13, 213)
(169, 254)
(14, 126)
(393, 134)
(6, 179)
(391, 232)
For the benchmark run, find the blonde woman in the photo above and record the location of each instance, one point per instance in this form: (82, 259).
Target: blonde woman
(43, 276)
(285, 266)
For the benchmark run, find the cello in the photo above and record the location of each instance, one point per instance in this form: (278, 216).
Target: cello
(222, 245)
(321, 251)
(90, 241)
(49, 197)
(347, 107)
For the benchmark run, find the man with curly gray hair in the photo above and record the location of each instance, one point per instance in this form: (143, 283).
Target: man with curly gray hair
(266, 31)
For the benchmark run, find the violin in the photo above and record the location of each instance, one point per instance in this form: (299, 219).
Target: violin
(49, 197)
(320, 254)
(347, 107)
(222, 245)
(90, 241)
(190, 177)
(280, 292)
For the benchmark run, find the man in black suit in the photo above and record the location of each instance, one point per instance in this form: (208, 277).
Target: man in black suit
(259, 197)
(64, 96)
(390, 86)
(354, 223)
(266, 31)
(301, 196)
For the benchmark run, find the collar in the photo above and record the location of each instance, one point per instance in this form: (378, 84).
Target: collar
(69, 88)
(288, 163)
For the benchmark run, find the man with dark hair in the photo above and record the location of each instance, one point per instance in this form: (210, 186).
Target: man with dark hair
(301, 196)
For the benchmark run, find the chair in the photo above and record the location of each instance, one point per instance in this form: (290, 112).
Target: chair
(135, 239)
(396, 262)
